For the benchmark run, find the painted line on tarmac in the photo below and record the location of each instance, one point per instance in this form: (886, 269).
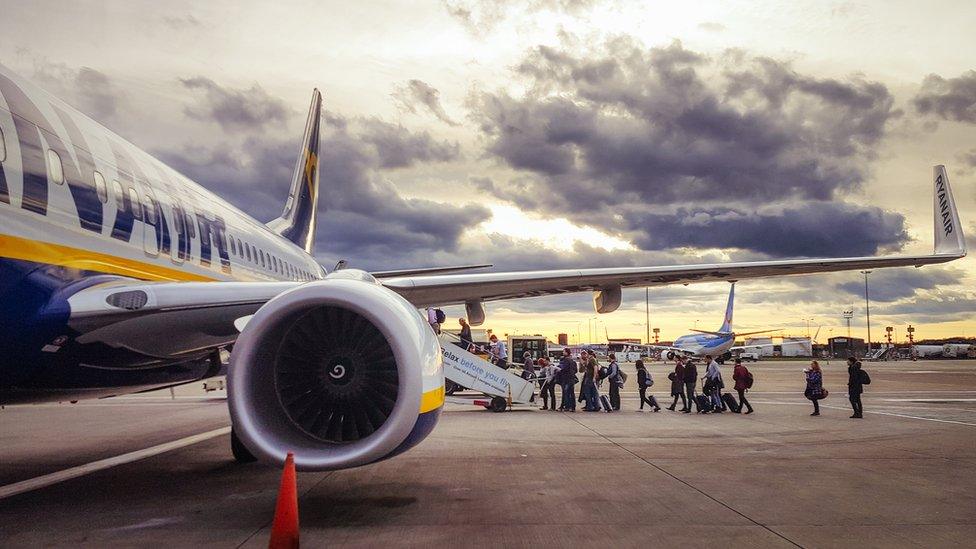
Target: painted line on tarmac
(102, 464)
(872, 412)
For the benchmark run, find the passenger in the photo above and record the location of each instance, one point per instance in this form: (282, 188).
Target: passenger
(713, 376)
(815, 390)
(855, 386)
(528, 366)
(590, 370)
(567, 377)
(677, 378)
(644, 382)
(613, 378)
(464, 337)
(691, 380)
(548, 373)
(432, 320)
(742, 379)
(499, 351)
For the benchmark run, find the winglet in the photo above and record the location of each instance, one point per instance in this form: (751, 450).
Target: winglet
(949, 238)
(297, 221)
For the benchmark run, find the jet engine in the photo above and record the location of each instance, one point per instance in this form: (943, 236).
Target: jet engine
(341, 372)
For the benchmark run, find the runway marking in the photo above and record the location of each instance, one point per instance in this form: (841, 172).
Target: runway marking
(872, 412)
(107, 463)
(929, 400)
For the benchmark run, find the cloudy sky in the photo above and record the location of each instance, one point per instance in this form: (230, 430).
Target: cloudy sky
(555, 133)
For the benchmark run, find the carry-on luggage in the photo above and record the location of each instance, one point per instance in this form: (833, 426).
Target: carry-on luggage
(605, 402)
(704, 403)
(729, 401)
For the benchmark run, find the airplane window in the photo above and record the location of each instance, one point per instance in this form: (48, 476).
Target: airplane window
(150, 207)
(54, 167)
(119, 194)
(247, 248)
(134, 199)
(100, 189)
(233, 246)
(3, 147)
(263, 264)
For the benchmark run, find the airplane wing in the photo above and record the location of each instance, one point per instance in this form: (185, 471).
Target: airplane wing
(606, 283)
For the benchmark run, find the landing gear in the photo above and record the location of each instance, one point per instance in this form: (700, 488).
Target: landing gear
(670, 355)
(723, 358)
(241, 453)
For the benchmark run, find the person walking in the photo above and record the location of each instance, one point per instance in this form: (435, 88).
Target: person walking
(528, 366)
(855, 386)
(815, 390)
(464, 336)
(548, 373)
(743, 382)
(691, 380)
(499, 350)
(590, 370)
(613, 378)
(677, 378)
(713, 380)
(567, 378)
(644, 382)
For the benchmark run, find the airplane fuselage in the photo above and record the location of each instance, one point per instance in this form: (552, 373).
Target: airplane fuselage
(705, 344)
(81, 206)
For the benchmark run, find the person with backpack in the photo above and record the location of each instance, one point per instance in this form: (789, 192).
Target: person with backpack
(743, 382)
(567, 378)
(677, 378)
(591, 372)
(644, 382)
(691, 380)
(615, 380)
(856, 380)
(815, 390)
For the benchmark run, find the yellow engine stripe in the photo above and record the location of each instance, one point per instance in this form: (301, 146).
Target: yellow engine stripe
(432, 400)
(55, 254)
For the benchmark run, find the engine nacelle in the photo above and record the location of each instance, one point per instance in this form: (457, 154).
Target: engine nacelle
(342, 372)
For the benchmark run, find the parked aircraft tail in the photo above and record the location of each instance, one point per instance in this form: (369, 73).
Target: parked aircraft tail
(297, 221)
(949, 238)
(727, 324)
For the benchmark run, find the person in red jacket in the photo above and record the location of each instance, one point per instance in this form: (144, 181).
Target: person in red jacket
(742, 376)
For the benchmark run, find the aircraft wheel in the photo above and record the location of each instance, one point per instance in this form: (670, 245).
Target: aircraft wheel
(670, 355)
(498, 404)
(241, 453)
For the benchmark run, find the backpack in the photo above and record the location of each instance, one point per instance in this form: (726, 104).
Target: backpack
(865, 378)
(648, 381)
(748, 379)
(623, 376)
(441, 317)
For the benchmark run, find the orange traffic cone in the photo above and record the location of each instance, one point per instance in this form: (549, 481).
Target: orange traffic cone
(284, 530)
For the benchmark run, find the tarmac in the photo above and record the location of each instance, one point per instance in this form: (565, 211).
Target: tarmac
(156, 469)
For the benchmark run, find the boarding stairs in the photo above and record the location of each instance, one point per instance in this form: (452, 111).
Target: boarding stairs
(475, 373)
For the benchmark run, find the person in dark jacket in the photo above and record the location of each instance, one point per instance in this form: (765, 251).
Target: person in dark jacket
(644, 382)
(691, 380)
(613, 378)
(814, 390)
(464, 336)
(740, 374)
(567, 378)
(591, 374)
(855, 386)
(677, 378)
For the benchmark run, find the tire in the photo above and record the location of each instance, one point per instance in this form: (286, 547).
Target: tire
(498, 404)
(450, 387)
(240, 452)
(670, 355)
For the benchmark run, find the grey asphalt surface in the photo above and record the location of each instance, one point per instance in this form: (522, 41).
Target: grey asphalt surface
(905, 476)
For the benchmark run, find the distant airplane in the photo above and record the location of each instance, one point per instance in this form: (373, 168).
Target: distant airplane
(720, 344)
(119, 274)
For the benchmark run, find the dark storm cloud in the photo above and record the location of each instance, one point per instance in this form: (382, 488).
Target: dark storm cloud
(235, 109)
(948, 98)
(419, 94)
(944, 307)
(816, 229)
(362, 215)
(628, 125)
(89, 90)
(894, 284)
(397, 147)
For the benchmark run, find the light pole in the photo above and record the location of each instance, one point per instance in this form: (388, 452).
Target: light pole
(807, 320)
(848, 315)
(647, 315)
(867, 307)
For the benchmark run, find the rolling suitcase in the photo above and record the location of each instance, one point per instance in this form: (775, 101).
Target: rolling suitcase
(704, 403)
(605, 402)
(729, 401)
